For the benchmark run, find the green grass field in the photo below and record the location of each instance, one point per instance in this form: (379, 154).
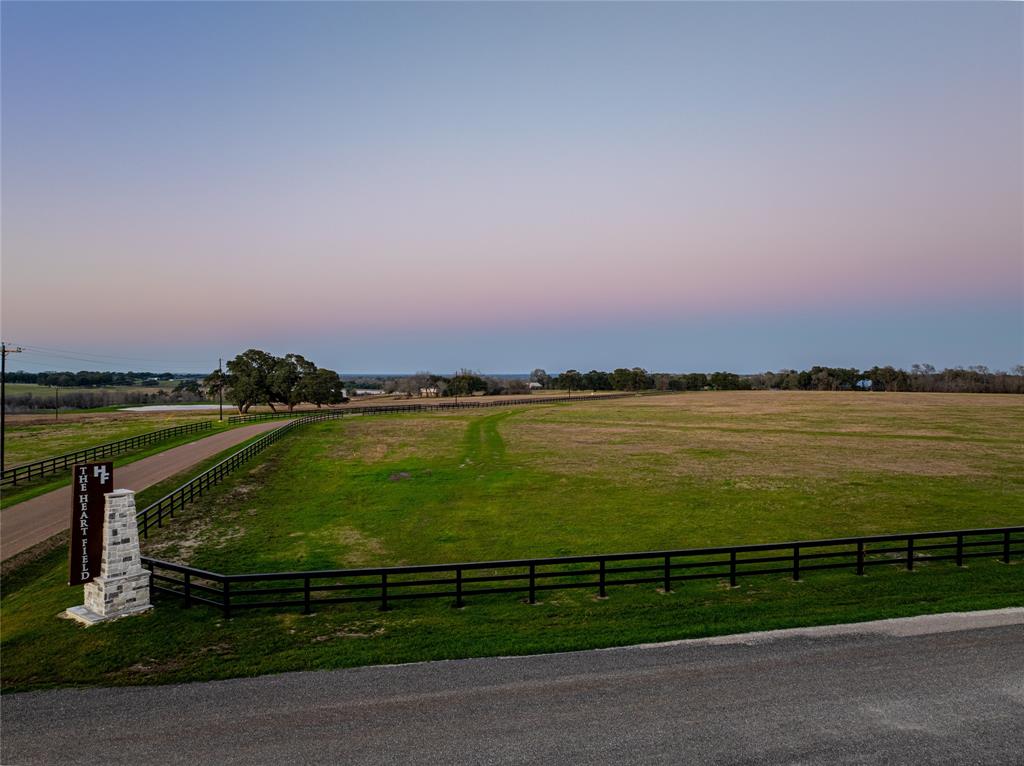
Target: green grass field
(33, 437)
(666, 472)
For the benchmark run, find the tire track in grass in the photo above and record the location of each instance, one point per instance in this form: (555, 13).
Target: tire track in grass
(482, 441)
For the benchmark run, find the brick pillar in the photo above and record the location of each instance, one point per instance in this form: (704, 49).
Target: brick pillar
(122, 587)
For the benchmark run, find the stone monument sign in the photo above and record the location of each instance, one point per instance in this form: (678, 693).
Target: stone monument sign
(122, 586)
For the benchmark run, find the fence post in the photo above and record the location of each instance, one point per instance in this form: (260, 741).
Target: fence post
(1006, 546)
(305, 595)
(860, 558)
(384, 592)
(150, 568)
(227, 599)
(910, 554)
(959, 550)
(188, 590)
(533, 583)
(458, 588)
(668, 575)
(796, 563)
(732, 569)
(602, 589)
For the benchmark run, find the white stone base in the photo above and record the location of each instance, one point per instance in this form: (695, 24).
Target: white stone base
(114, 595)
(87, 616)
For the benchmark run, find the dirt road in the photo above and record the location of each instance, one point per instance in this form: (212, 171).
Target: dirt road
(28, 523)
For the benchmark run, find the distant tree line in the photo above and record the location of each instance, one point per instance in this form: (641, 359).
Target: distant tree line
(465, 382)
(79, 399)
(639, 379)
(257, 377)
(921, 377)
(125, 389)
(92, 378)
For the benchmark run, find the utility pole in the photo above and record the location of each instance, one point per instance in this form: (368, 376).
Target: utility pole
(3, 394)
(220, 387)
(56, 402)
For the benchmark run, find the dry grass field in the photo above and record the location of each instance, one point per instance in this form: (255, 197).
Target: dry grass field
(761, 436)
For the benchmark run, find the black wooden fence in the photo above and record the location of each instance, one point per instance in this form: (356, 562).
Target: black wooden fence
(26, 471)
(470, 403)
(153, 515)
(527, 578)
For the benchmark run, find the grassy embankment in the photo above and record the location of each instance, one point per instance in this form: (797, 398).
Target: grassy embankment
(680, 471)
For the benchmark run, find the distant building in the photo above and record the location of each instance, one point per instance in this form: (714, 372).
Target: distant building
(364, 392)
(534, 385)
(430, 391)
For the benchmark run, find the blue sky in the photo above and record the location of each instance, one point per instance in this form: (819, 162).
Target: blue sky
(409, 186)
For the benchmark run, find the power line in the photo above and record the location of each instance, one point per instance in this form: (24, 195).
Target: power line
(80, 355)
(87, 355)
(87, 360)
(49, 367)
(42, 367)
(94, 362)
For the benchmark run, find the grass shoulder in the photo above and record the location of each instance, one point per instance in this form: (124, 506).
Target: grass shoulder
(172, 644)
(27, 490)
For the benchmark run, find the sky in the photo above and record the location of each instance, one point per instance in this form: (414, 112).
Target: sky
(429, 186)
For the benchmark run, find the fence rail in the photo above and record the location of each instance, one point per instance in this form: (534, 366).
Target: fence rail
(27, 471)
(397, 408)
(153, 514)
(529, 577)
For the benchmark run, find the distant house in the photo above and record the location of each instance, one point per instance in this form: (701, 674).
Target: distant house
(430, 391)
(365, 392)
(534, 385)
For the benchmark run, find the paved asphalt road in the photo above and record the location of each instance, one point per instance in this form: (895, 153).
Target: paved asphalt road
(946, 689)
(25, 524)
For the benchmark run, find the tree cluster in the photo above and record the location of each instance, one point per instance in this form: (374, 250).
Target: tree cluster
(257, 377)
(620, 379)
(815, 379)
(639, 379)
(465, 382)
(921, 377)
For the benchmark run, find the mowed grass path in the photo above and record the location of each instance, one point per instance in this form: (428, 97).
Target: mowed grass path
(675, 471)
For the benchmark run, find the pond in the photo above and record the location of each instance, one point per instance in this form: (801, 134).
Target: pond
(171, 407)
